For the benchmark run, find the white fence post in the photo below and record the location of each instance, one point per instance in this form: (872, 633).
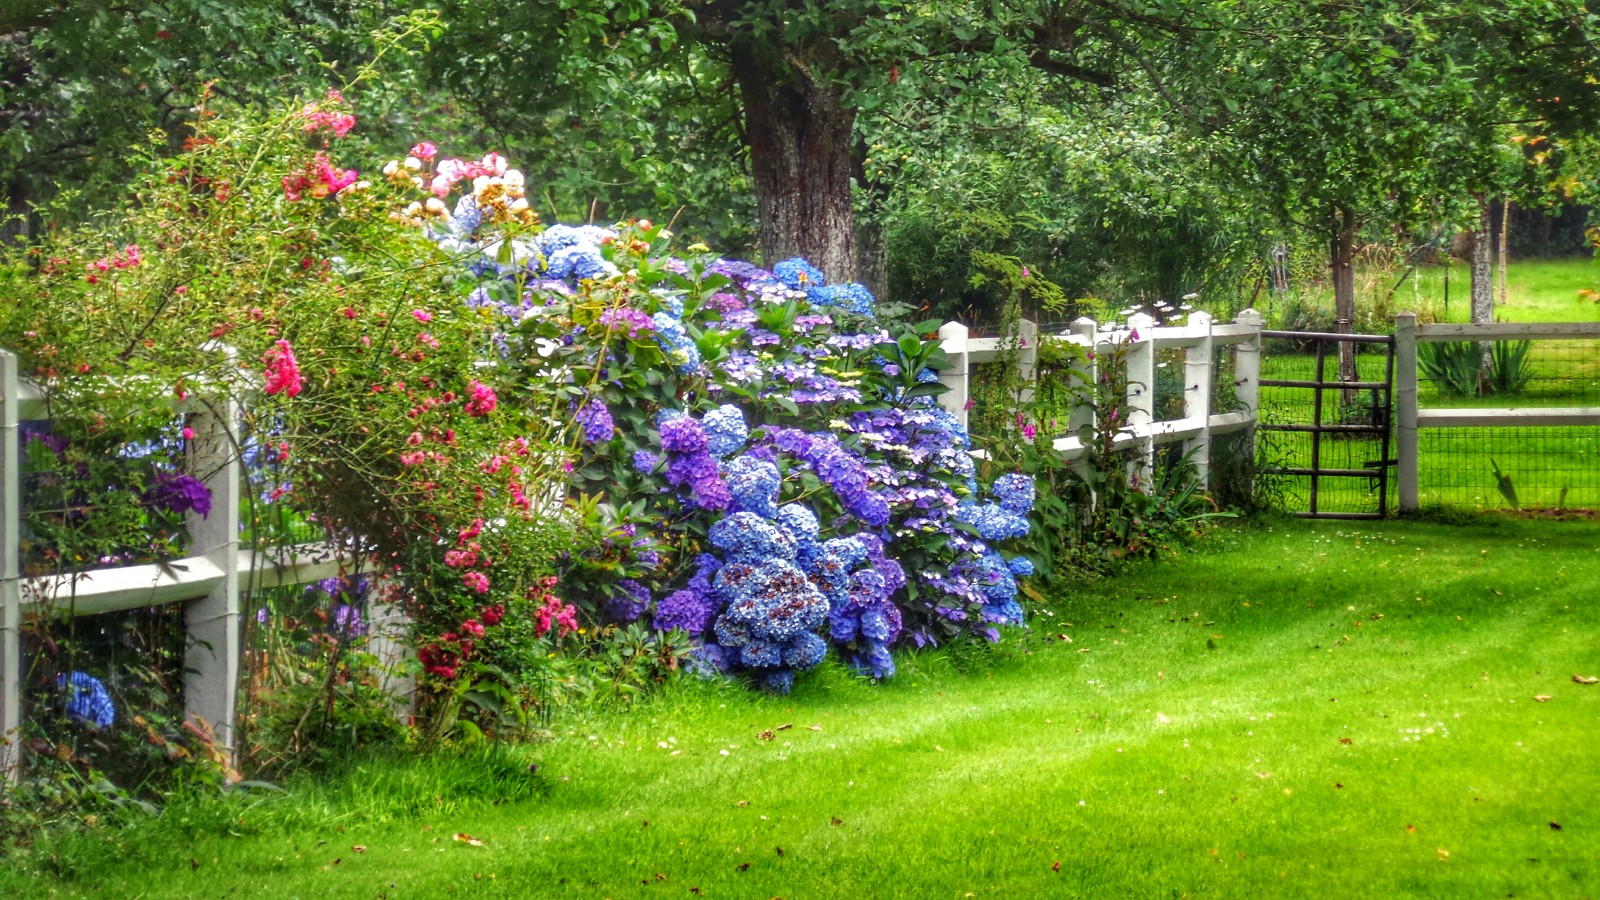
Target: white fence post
(211, 658)
(1027, 357)
(1197, 368)
(1141, 361)
(1405, 366)
(10, 573)
(1247, 380)
(953, 339)
(386, 640)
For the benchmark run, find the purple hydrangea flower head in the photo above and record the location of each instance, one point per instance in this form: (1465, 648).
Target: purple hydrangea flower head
(644, 461)
(682, 434)
(628, 602)
(686, 610)
(180, 493)
(596, 420)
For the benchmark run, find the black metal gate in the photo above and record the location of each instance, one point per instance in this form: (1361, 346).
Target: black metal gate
(1364, 413)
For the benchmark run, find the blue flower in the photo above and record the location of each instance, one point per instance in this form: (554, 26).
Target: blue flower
(994, 523)
(87, 699)
(799, 274)
(805, 651)
(753, 484)
(628, 601)
(579, 262)
(1015, 493)
(559, 237)
(675, 344)
(725, 430)
(1021, 566)
(747, 537)
(779, 682)
(799, 521)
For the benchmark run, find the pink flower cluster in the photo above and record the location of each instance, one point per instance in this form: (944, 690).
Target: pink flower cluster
(283, 371)
(127, 259)
(553, 613)
(481, 399)
(320, 180)
(317, 118)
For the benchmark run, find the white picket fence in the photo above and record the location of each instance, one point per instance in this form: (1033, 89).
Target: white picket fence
(209, 581)
(1141, 338)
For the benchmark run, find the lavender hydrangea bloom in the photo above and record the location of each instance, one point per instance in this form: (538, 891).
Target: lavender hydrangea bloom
(681, 434)
(644, 461)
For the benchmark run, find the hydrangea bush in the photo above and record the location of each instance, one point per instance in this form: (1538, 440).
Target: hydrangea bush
(778, 471)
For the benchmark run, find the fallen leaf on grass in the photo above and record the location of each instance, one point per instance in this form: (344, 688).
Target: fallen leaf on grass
(1444, 855)
(785, 726)
(695, 891)
(1554, 825)
(742, 866)
(744, 803)
(1411, 828)
(814, 727)
(1263, 775)
(467, 839)
(1542, 698)
(779, 849)
(1346, 741)
(1338, 786)
(838, 821)
(765, 735)
(1055, 866)
(1586, 679)
(359, 848)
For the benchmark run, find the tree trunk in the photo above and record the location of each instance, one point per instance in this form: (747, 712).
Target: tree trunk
(1505, 249)
(1342, 257)
(1483, 285)
(800, 138)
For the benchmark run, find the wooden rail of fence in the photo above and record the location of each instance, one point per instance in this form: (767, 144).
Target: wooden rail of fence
(1140, 339)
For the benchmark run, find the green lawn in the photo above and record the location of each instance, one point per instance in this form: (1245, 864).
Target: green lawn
(1293, 709)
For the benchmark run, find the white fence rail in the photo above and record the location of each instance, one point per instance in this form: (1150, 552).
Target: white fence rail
(1410, 417)
(1141, 339)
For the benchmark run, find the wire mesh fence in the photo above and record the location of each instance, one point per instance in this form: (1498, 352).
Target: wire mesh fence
(1543, 467)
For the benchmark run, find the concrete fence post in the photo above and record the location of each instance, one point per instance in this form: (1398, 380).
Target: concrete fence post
(1141, 362)
(1405, 374)
(1197, 366)
(953, 339)
(10, 572)
(1247, 380)
(211, 658)
(1027, 357)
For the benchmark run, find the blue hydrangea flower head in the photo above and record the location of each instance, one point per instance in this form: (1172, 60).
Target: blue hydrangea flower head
(753, 484)
(779, 682)
(799, 274)
(1015, 493)
(675, 343)
(805, 651)
(87, 699)
(725, 430)
(1020, 566)
(747, 537)
(800, 521)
